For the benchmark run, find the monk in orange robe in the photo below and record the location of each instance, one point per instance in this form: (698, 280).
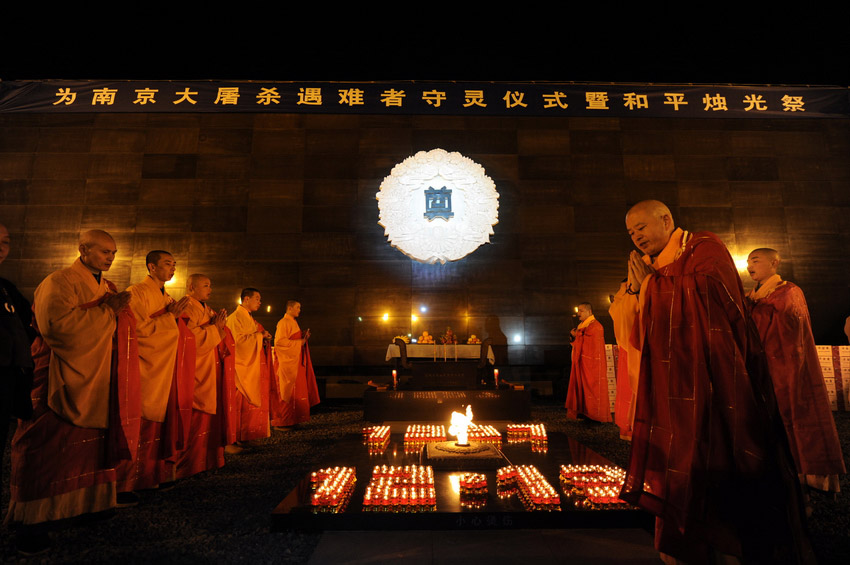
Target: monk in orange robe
(781, 314)
(205, 449)
(587, 392)
(160, 366)
(252, 370)
(628, 359)
(296, 381)
(709, 457)
(85, 396)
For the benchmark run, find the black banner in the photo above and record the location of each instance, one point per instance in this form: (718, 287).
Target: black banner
(428, 98)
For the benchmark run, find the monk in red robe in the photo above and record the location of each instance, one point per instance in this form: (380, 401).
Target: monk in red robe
(252, 341)
(627, 360)
(204, 449)
(85, 396)
(162, 364)
(709, 456)
(587, 392)
(296, 382)
(780, 312)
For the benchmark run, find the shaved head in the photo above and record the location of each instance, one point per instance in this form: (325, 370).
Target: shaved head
(650, 225)
(95, 236)
(654, 208)
(97, 250)
(195, 279)
(199, 287)
(762, 264)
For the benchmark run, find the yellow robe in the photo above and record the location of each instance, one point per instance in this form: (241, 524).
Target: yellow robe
(80, 342)
(249, 354)
(157, 346)
(207, 339)
(288, 352)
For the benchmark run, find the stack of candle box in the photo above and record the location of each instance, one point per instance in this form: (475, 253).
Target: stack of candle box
(534, 433)
(418, 435)
(473, 490)
(377, 438)
(484, 434)
(534, 490)
(332, 488)
(593, 486)
(401, 489)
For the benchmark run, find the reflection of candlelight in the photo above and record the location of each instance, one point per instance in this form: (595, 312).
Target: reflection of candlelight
(460, 426)
(395, 378)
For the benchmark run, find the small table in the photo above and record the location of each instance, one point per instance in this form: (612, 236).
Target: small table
(440, 352)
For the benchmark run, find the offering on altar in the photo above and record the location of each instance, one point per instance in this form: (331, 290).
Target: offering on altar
(377, 438)
(449, 337)
(473, 490)
(425, 338)
(534, 490)
(418, 435)
(473, 340)
(593, 486)
(404, 338)
(332, 488)
(401, 489)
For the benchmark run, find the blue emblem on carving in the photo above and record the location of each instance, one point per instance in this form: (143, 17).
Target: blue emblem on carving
(438, 203)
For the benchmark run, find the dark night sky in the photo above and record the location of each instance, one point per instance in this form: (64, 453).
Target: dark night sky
(671, 42)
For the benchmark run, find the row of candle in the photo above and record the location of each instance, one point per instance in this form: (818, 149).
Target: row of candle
(535, 491)
(473, 490)
(484, 434)
(420, 434)
(401, 489)
(332, 488)
(527, 432)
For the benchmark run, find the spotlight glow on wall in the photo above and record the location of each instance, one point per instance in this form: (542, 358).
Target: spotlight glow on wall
(517, 338)
(413, 318)
(385, 317)
(423, 309)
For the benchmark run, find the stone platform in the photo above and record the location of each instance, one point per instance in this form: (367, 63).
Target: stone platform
(295, 512)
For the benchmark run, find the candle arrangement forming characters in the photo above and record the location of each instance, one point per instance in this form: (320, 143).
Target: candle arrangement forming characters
(534, 490)
(401, 489)
(473, 490)
(332, 488)
(534, 433)
(593, 486)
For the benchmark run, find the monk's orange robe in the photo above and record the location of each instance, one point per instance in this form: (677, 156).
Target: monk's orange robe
(252, 375)
(781, 314)
(204, 449)
(296, 381)
(159, 339)
(624, 311)
(587, 392)
(709, 456)
(85, 398)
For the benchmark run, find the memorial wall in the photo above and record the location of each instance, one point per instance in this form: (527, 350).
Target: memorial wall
(287, 203)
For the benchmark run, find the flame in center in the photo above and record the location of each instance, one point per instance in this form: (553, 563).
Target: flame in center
(460, 425)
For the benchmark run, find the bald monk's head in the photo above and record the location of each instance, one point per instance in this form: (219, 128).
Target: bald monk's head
(251, 299)
(161, 265)
(199, 287)
(762, 263)
(97, 250)
(650, 225)
(5, 243)
(585, 311)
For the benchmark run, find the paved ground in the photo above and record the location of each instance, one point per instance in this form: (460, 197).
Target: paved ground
(222, 516)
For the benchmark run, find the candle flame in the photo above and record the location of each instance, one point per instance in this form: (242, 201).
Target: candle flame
(460, 425)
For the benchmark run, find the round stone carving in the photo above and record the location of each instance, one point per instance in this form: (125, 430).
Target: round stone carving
(438, 206)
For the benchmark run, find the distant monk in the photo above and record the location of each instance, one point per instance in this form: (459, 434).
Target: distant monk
(587, 392)
(296, 382)
(205, 449)
(85, 396)
(253, 370)
(160, 368)
(628, 360)
(709, 456)
(780, 312)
